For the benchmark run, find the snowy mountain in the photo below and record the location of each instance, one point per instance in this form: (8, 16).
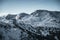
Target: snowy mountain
(43, 18)
(39, 25)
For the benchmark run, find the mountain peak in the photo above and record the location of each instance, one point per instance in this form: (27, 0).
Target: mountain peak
(10, 16)
(23, 15)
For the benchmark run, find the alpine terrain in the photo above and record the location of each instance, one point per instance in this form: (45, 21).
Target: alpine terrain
(39, 25)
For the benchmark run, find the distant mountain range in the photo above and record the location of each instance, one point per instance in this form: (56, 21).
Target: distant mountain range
(38, 18)
(32, 26)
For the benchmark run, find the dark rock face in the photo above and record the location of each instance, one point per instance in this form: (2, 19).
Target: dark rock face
(16, 29)
(23, 15)
(9, 16)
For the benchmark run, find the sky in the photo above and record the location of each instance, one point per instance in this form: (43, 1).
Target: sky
(27, 6)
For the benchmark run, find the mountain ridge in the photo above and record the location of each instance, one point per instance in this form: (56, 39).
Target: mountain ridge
(38, 18)
(36, 26)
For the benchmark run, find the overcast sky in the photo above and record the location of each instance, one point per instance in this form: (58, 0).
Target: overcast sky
(27, 6)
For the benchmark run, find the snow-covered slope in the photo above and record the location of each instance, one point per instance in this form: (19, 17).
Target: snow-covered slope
(43, 18)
